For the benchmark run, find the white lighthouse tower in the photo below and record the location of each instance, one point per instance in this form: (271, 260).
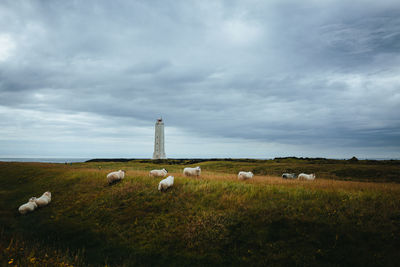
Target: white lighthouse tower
(159, 151)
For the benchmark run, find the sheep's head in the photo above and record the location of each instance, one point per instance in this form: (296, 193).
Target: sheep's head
(32, 199)
(165, 170)
(48, 194)
(198, 168)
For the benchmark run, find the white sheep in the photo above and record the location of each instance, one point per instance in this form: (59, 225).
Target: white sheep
(289, 176)
(28, 207)
(245, 175)
(43, 200)
(306, 176)
(158, 173)
(166, 183)
(115, 176)
(192, 171)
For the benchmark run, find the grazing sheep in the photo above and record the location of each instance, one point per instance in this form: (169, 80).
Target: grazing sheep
(289, 176)
(113, 177)
(28, 207)
(166, 183)
(158, 173)
(43, 200)
(192, 171)
(245, 175)
(306, 176)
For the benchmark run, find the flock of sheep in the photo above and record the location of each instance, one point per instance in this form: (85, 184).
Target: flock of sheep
(164, 184)
(300, 176)
(249, 175)
(169, 181)
(35, 203)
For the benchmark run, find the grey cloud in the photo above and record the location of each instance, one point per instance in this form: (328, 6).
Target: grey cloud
(288, 72)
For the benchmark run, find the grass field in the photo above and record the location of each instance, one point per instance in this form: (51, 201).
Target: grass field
(350, 215)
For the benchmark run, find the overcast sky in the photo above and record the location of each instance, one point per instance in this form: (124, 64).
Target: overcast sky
(258, 79)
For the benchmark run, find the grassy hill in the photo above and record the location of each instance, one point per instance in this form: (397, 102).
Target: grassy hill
(214, 220)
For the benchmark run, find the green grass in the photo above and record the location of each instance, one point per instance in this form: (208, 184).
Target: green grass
(214, 220)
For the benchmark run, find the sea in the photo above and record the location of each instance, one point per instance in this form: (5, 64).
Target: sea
(46, 160)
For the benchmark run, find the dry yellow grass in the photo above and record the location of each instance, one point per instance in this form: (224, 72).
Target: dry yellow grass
(318, 183)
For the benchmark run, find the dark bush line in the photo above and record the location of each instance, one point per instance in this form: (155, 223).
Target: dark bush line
(109, 160)
(183, 161)
(175, 161)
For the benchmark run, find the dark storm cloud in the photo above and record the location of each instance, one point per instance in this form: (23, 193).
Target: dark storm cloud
(288, 72)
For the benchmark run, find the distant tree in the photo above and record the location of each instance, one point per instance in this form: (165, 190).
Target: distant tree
(353, 159)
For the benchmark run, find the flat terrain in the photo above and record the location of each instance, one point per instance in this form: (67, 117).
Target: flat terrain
(350, 215)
